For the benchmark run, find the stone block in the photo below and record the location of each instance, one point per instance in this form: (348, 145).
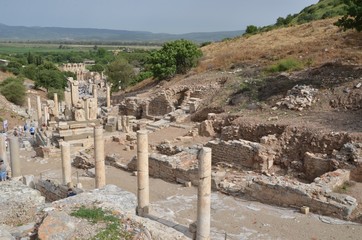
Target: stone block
(304, 210)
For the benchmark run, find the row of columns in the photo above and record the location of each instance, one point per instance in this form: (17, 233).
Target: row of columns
(204, 188)
(100, 179)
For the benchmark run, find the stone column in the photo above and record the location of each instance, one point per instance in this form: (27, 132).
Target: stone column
(56, 106)
(68, 99)
(142, 174)
(95, 91)
(75, 92)
(3, 154)
(203, 195)
(99, 157)
(66, 163)
(14, 157)
(46, 115)
(108, 96)
(38, 102)
(29, 107)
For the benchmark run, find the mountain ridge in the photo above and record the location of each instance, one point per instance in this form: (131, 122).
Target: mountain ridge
(22, 33)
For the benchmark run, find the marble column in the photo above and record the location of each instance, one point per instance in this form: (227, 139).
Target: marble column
(14, 157)
(75, 92)
(142, 173)
(204, 195)
(66, 163)
(29, 107)
(99, 157)
(3, 154)
(38, 102)
(108, 96)
(46, 115)
(56, 106)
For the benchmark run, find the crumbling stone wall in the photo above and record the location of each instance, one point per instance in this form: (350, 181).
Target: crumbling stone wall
(53, 191)
(160, 105)
(247, 154)
(316, 165)
(181, 166)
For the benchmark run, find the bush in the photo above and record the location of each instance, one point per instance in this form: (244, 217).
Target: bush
(174, 57)
(285, 65)
(353, 18)
(13, 90)
(251, 29)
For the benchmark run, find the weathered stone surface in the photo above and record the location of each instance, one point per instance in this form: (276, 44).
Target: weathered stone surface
(316, 165)
(206, 129)
(248, 154)
(57, 225)
(18, 203)
(83, 161)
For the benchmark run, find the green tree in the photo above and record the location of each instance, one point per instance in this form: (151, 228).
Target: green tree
(13, 90)
(251, 29)
(353, 18)
(120, 73)
(174, 57)
(96, 68)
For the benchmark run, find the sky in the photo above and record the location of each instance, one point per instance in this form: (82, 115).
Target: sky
(157, 16)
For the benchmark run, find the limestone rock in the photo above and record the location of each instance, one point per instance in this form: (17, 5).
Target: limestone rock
(206, 129)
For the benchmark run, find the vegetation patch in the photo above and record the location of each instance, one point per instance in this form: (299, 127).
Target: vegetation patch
(115, 227)
(345, 187)
(285, 65)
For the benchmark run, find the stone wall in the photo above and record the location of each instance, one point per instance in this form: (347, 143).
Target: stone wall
(315, 165)
(160, 106)
(53, 191)
(181, 167)
(244, 153)
(317, 196)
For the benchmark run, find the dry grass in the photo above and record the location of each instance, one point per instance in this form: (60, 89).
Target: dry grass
(316, 43)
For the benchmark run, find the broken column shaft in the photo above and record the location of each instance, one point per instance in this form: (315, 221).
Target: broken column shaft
(99, 157)
(14, 157)
(142, 173)
(66, 163)
(203, 195)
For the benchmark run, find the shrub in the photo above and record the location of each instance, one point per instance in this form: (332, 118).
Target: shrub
(251, 29)
(13, 90)
(283, 65)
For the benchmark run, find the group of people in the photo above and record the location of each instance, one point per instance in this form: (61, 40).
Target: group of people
(18, 131)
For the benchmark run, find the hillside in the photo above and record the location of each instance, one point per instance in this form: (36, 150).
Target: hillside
(330, 61)
(58, 34)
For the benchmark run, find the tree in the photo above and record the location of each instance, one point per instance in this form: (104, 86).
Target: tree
(353, 18)
(120, 73)
(13, 90)
(251, 29)
(174, 57)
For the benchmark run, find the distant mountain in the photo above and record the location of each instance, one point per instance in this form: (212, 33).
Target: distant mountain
(19, 33)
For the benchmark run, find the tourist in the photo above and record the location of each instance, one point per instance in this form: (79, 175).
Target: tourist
(2, 170)
(32, 130)
(71, 192)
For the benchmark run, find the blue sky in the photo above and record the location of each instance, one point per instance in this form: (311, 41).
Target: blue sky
(158, 16)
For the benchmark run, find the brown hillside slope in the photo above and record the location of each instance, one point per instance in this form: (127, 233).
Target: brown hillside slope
(315, 42)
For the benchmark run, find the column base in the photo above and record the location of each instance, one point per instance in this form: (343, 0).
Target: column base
(142, 211)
